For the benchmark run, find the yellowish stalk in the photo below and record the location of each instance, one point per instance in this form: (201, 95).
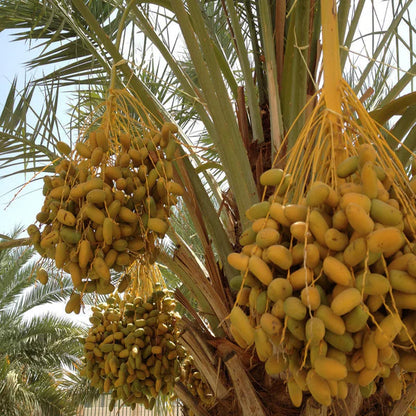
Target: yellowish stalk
(332, 72)
(331, 60)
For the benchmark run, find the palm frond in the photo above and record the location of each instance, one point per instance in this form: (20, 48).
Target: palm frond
(33, 348)
(51, 400)
(15, 275)
(13, 390)
(57, 289)
(380, 40)
(28, 136)
(78, 389)
(45, 340)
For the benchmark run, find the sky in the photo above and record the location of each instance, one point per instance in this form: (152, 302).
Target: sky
(23, 209)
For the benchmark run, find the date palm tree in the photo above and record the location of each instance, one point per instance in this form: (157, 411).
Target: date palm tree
(236, 76)
(38, 351)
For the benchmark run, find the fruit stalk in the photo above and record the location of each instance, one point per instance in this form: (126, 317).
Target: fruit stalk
(332, 72)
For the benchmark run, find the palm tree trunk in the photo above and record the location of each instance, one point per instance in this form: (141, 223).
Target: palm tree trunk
(244, 390)
(313, 408)
(189, 401)
(401, 407)
(352, 404)
(240, 390)
(205, 361)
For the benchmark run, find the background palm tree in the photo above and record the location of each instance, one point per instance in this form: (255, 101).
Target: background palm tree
(235, 75)
(39, 353)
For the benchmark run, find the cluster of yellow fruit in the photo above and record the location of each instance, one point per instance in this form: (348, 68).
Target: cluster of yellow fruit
(132, 349)
(107, 205)
(329, 283)
(195, 383)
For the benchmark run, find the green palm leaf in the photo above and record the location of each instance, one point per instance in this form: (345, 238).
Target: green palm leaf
(34, 349)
